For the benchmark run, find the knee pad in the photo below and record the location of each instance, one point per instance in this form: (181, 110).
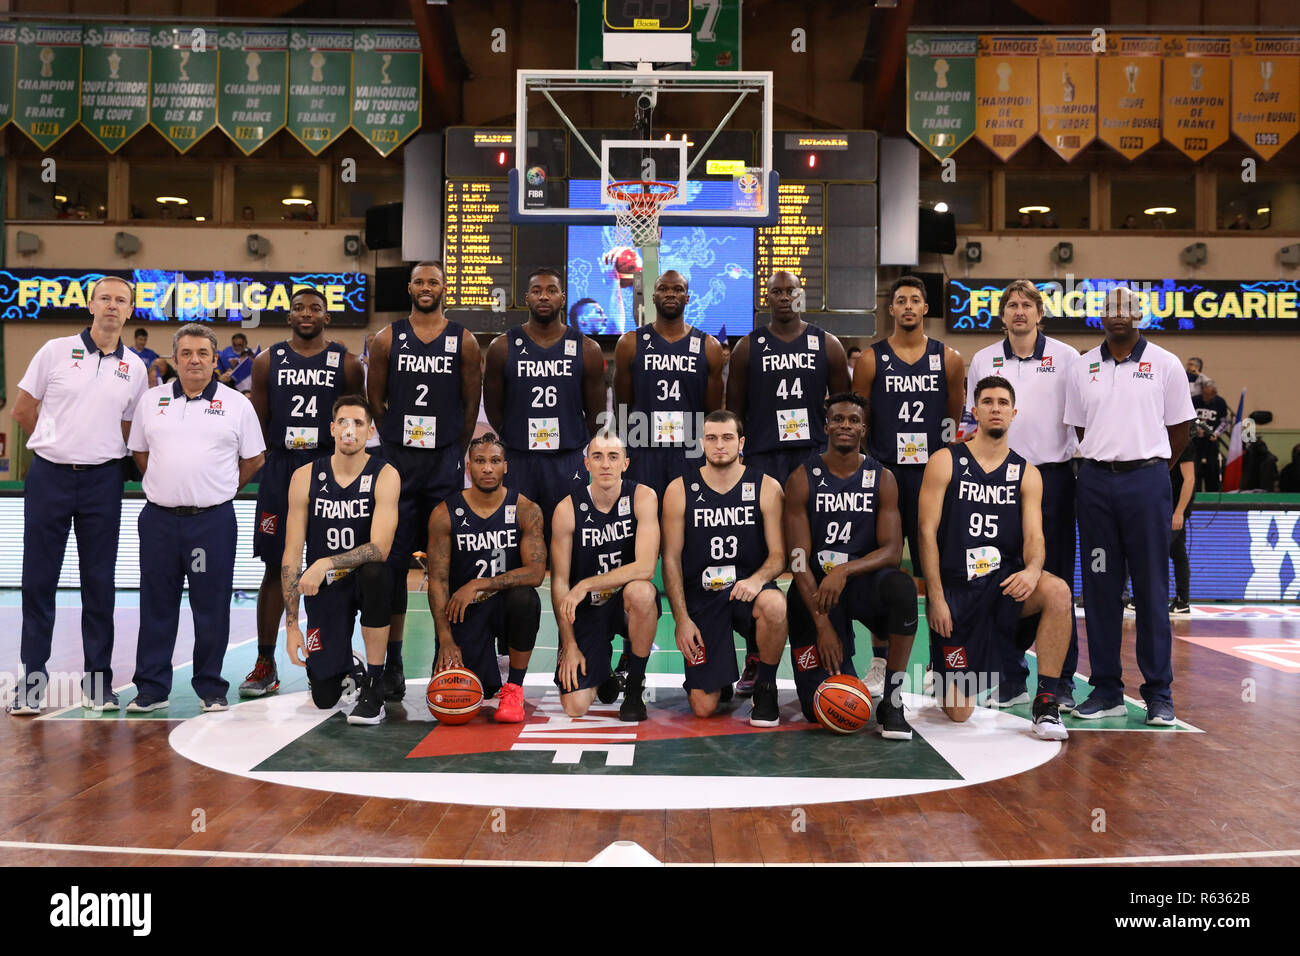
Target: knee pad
(523, 617)
(325, 693)
(898, 591)
(376, 592)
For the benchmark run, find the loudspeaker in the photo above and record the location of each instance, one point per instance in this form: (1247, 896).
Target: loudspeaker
(1194, 255)
(938, 231)
(1289, 255)
(974, 252)
(125, 244)
(384, 226)
(391, 294)
(259, 247)
(27, 243)
(933, 292)
(352, 246)
(1063, 253)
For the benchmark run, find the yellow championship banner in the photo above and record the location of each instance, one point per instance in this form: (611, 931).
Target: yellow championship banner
(1128, 93)
(1197, 83)
(1266, 91)
(1006, 92)
(1067, 93)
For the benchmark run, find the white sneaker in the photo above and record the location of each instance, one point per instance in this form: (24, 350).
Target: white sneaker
(875, 679)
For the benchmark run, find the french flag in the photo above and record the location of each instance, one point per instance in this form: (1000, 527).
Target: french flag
(1232, 470)
(967, 427)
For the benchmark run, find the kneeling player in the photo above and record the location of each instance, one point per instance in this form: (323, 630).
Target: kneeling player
(345, 508)
(981, 531)
(722, 551)
(486, 558)
(846, 541)
(604, 542)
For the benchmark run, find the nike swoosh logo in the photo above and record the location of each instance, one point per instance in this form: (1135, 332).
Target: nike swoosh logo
(909, 623)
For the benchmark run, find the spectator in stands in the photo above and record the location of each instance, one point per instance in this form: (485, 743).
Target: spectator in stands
(1212, 420)
(852, 356)
(231, 369)
(1194, 376)
(1130, 222)
(1288, 481)
(1182, 477)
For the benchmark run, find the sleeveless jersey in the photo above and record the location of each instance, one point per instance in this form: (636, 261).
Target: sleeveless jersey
(338, 519)
(602, 542)
(543, 393)
(841, 513)
(482, 547)
(300, 394)
(980, 529)
(908, 405)
(724, 540)
(669, 383)
(785, 407)
(426, 408)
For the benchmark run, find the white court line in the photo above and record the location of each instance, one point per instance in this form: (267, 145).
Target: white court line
(432, 861)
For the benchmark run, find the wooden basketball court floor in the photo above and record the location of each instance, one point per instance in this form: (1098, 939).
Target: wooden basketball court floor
(274, 782)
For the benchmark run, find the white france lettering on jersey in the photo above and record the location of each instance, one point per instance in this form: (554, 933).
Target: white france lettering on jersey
(305, 376)
(616, 531)
(784, 363)
(488, 540)
(544, 368)
(342, 510)
(670, 363)
(721, 517)
(424, 364)
(986, 494)
(828, 503)
(911, 383)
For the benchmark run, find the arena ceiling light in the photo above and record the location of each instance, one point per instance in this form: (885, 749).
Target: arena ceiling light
(178, 200)
(295, 201)
(1160, 211)
(200, 218)
(941, 207)
(1034, 209)
(1261, 211)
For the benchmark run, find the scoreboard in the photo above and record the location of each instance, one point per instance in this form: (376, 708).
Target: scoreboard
(478, 250)
(795, 244)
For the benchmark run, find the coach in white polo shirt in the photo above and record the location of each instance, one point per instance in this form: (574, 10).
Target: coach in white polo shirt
(1130, 406)
(1038, 367)
(197, 442)
(76, 401)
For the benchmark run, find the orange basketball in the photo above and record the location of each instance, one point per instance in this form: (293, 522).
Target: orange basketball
(842, 704)
(454, 695)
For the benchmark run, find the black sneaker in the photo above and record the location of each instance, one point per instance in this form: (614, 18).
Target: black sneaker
(1065, 698)
(892, 722)
(261, 680)
(765, 713)
(29, 697)
(633, 709)
(727, 692)
(748, 676)
(1047, 719)
(1179, 608)
(370, 706)
(609, 689)
(394, 686)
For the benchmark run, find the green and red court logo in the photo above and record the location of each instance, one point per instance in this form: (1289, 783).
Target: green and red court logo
(672, 760)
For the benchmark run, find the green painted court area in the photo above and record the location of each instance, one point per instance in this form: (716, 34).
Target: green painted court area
(420, 643)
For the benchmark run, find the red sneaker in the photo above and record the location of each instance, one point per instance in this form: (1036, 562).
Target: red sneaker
(748, 677)
(511, 708)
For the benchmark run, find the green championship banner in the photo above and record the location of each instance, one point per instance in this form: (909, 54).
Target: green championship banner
(251, 84)
(320, 86)
(114, 83)
(48, 76)
(183, 84)
(387, 87)
(8, 38)
(941, 90)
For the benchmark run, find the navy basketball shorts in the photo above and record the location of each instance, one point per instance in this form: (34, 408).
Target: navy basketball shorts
(273, 503)
(331, 618)
(545, 478)
(781, 462)
(476, 637)
(657, 468)
(717, 617)
(984, 622)
(909, 479)
(594, 630)
(428, 477)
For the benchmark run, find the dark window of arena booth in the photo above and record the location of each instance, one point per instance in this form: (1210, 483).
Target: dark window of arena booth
(1272, 202)
(282, 193)
(966, 198)
(1153, 200)
(178, 191)
(1047, 200)
(78, 190)
(374, 186)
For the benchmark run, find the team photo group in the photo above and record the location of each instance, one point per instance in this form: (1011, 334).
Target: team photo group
(691, 490)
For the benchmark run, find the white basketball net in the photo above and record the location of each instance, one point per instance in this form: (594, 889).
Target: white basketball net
(636, 211)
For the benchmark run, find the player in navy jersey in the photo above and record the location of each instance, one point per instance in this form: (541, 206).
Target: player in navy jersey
(667, 377)
(722, 550)
(604, 544)
(344, 508)
(294, 385)
(780, 377)
(846, 543)
(424, 383)
(982, 549)
(486, 558)
(543, 390)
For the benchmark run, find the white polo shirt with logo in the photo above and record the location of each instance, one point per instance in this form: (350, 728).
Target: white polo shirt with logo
(85, 395)
(1125, 407)
(1039, 433)
(194, 444)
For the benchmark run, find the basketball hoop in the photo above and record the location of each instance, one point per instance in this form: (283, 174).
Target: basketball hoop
(636, 210)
